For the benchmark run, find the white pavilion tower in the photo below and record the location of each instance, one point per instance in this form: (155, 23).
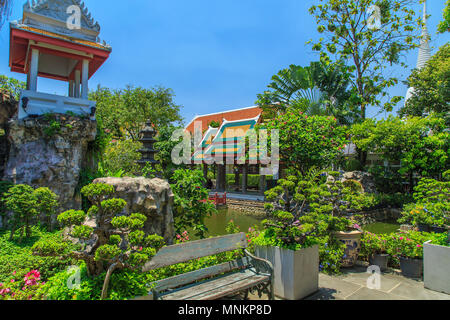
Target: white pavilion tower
(424, 49)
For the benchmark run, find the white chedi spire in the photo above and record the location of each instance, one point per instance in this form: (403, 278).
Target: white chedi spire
(424, 49)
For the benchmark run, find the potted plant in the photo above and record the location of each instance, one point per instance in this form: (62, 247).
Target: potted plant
(287, 243)
(374, 248)
(408, 248)
(295, 261)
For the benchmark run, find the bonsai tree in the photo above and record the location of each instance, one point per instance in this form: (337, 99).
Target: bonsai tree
(4, 187)
(26, 204)
(47, 202)
(114, 242)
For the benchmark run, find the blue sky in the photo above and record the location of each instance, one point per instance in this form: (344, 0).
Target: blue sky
(215, 55)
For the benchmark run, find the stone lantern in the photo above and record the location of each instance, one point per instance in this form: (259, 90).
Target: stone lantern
(148, 152)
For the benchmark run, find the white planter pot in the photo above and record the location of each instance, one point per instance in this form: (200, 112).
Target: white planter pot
(436, 266)
(296, 273)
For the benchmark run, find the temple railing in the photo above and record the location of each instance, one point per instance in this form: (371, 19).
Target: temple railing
(34, 103)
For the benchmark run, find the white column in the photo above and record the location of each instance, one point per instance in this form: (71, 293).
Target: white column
(71, 88)
(34, 69)
(85, 75)
(77, 84)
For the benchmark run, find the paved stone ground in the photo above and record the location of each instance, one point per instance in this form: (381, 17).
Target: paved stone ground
(352, 285)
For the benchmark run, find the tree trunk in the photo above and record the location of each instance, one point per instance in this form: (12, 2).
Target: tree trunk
(110, 271)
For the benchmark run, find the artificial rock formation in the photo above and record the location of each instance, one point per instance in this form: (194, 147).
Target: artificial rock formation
(366, 180)
(8, 107)
(49, 152)
(150, 197)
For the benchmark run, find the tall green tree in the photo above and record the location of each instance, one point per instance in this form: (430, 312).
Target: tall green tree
(431, 87)
(124, 112)
(317, 89)
(368, 36)
(421, 145)
(12, 86)
(308, 141)
(444, 25)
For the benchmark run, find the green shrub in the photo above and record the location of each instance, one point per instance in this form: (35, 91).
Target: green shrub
(20, 257)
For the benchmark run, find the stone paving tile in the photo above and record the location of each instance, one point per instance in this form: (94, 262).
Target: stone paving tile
(336, 288)
(418, 293)
(368, 294)
(387, 283)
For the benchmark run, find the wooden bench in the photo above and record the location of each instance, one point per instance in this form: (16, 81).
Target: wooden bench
(240, 276)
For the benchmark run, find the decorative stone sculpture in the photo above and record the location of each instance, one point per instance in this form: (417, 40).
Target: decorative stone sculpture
(49, 153)
(364, 178)
(151, 197)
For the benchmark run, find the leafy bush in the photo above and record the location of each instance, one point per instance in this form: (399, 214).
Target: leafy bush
(20, 257)
(4, 187)
(26, 204)
(432, 203)
(191, 202)
(26, 288)
(308, 141)
(410, 244)
(121, 156)
(373, 244)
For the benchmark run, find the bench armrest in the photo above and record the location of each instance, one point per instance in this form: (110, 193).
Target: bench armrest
(261, 265)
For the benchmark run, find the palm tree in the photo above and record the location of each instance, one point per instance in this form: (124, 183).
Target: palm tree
(5, 11)
(316, 90)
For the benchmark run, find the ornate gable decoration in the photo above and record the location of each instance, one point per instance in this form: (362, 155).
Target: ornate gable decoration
(52, 16)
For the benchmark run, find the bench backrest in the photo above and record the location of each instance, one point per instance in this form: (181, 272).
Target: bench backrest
(184, 252)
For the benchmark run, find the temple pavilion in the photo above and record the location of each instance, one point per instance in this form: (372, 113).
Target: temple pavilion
(46, 43)
(223, 133)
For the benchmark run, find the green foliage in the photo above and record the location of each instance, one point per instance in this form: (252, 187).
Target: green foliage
(165, 145)
(11, 85)
(4, 187)
(124, 112)
(190, 211)
(431, 87)
(420, 144)
(318, 89)
(308, 141)
(48, 248)
(22, 258)
(432, 203)
(121, 156)
(107, 252)
(72, 217)
(444, 25)
(347, 36)
(373, 244)
(26, 204)
(410, 244)
(82, 232)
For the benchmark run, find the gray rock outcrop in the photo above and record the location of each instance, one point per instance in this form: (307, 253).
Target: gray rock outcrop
(150, 197)
(49, 152)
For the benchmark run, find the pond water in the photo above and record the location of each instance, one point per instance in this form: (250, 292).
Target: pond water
(217, 223)
(382, 227)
